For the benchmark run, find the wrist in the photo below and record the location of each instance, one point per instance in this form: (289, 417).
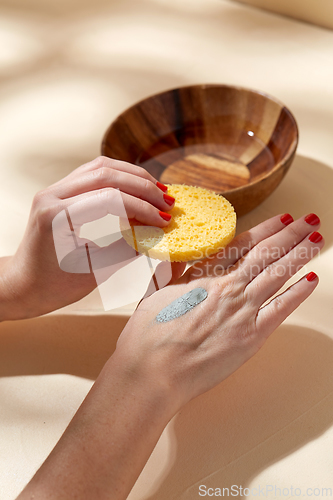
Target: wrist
(152, 392)
(150, 366)
(6, 302)
(12, 302)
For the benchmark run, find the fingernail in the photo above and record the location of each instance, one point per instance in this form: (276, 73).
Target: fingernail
(286, 219)
(315, 237)
(311, 276)
(161, 186)
(312, 219)
(165, 216)
(168, 199)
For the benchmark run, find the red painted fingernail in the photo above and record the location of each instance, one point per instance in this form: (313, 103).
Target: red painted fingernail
(311, 276)
(286, 219)
(161, 186)
(165, 216)
(312, 219)
(315, 237)
(168, 199)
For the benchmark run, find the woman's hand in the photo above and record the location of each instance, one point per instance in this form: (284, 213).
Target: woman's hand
(193, 352)
(158, 366)
(31, 282)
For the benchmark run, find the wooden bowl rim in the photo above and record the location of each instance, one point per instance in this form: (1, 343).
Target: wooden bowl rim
(291, 149)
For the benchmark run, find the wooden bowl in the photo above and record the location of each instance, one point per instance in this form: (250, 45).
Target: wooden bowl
(234, 141)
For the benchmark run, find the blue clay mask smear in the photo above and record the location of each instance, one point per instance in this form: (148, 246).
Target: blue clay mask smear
(182, 305)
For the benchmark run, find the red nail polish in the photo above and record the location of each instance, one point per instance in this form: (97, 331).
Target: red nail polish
(315, 237)
(286, 219)
(165, 216)
(311, 276)
(168, 199)
(312, 219)
(161, 186)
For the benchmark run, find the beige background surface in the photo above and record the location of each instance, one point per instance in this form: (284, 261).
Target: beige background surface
(67, 69)
(319, 12)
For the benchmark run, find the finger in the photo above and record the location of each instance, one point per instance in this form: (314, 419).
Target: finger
(107, 163)
(274, 247)
(273, 314)
(123, 166)
(127, 183)
(241, 245)
(273, 277)
(97, 204)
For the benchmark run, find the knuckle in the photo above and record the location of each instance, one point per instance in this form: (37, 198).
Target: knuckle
(243, 242)
(103, 174)
(294, 232)
(116, 201)
(225, 285)
(278, 303)
(262, 251)
(44, 216)
(216, 289)
(44, 209)
(142, 206)
(237, 286)
(107, 193)
(143, 173)
(223, 289)
(142, 188)
(246, 334)
(39, 199)
(100, 161)
(146, 184)
(271, 271)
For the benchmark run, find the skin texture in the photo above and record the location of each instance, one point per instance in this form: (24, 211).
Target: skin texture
(157, 367)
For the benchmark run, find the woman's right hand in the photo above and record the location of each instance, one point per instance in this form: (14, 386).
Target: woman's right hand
(53, 266)
(192, 353)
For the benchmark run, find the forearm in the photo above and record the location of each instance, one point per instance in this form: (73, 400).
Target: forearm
(108, 442)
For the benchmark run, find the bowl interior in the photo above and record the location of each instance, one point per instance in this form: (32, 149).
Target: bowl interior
(214, 136)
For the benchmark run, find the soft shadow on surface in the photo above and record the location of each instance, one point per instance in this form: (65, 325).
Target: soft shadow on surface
(307, 187)
(77, 7)
(60, 7)
(75, 345)
(50, 169)
(246, 18)
(274, 404)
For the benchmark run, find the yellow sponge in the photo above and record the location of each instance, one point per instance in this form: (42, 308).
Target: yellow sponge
(203, 223)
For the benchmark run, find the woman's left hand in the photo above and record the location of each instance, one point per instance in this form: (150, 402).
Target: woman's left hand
(188, 354)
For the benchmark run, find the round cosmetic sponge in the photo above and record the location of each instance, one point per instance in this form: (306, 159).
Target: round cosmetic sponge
(203, 223)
